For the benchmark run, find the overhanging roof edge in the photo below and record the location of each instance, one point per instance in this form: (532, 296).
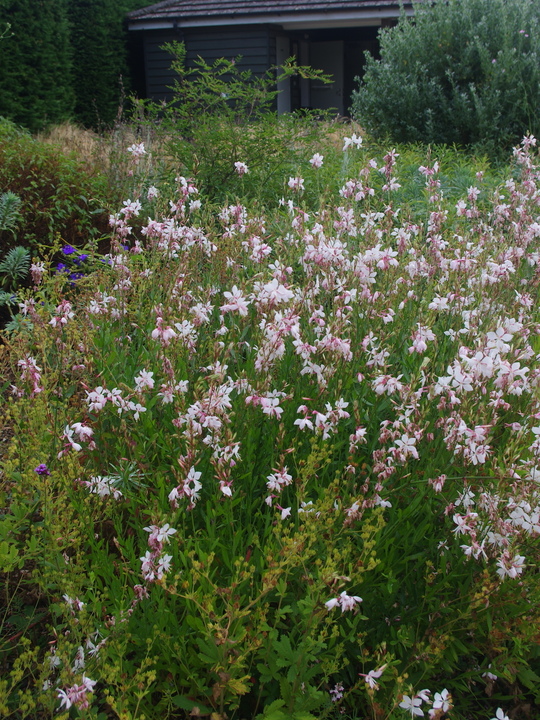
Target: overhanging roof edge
(287, 20)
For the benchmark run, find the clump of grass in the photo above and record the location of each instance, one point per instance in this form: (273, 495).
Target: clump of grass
(58, 195)
(87, 145)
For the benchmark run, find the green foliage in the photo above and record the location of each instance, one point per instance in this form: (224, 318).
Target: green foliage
(13, 270)
(10, 205)
(239, 626)
(14, 266)
(66, 59)
(35, 63)
(98, 64)
(101, 74)
(223, 89)
(57, 196)
(220, 115)
(5, 32)
(464, 72)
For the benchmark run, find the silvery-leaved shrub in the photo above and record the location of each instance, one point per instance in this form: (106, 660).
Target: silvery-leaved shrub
(463, 72)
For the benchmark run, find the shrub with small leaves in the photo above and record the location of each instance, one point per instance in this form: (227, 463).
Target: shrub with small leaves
(222, 123)
(58, 194)
(281, 462)
(464, 72)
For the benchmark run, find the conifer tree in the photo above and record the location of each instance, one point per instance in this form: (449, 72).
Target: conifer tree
(101, 70)
(99, 59)
(36, 86)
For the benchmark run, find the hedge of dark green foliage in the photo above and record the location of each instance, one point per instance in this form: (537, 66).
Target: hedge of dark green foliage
(65, 60)
(104, 58)
(60, 200)
(35, 63)
(464, 72)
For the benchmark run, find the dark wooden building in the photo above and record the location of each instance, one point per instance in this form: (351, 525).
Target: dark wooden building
(331, 35)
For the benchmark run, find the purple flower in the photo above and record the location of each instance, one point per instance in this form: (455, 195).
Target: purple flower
(80, 259)
(74, 277)
(42, 469)
(68, 250)
(62, 267)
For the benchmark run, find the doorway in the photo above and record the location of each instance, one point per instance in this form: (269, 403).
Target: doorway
(328, 57)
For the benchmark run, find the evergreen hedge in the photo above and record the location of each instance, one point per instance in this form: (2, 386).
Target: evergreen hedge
(64, 60)
(36, 86)
(101, 70)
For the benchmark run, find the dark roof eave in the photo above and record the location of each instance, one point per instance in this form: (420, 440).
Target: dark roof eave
(172, 12)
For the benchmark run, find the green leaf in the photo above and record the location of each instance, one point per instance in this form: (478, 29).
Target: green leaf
(9, 557)
(529, 678)
(272, 711)
(209, 652)
(195, 623)
(185, 703)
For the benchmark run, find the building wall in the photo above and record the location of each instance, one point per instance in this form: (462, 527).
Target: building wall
(157, 64)
(256, 45)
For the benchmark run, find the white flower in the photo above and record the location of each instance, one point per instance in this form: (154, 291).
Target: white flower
(510, 567)
(275, 292)
(144, 380)
(372, 677)
(83, 431)
(441, 701)
(68, 435)
(64, 699)
(354, 140)
(103, 486)
(241, 168)
(137, 150)
(337, 692)
(278, 480)
(296, 183)
(88, 684)
(489, 675)
(407, 446)
(131, 208)
(317, 160)
(331, 604)
(164, 565)
(161, 534)
(236, 302)
(500, 715)
(346, 602)
(412, 705)
(73, 603)
(147, 566)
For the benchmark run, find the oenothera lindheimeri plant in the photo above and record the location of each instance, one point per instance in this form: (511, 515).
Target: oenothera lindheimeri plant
(285, 465)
